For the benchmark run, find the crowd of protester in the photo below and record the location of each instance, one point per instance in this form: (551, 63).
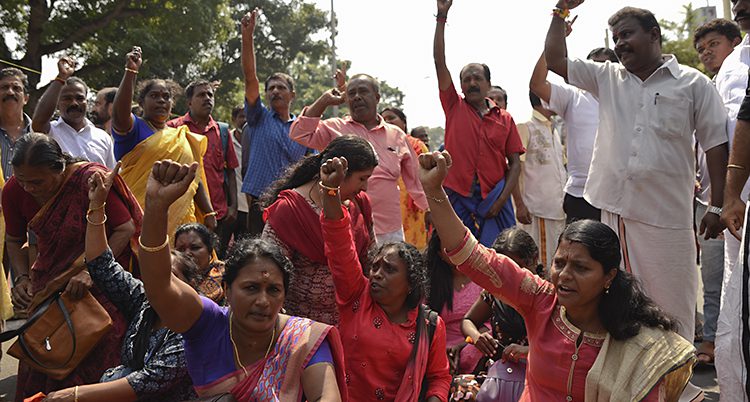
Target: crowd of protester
(292, 257)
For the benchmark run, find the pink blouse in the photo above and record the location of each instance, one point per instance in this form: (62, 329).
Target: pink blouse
(462, 301)
(560, 355)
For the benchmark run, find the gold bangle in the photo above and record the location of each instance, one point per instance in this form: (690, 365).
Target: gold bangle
(88, 219)
(332, 191)
(130, 70)
(60, 80)
(153, 249)
(75, 394)
(212, 213)
(97, 208)
(733, 166)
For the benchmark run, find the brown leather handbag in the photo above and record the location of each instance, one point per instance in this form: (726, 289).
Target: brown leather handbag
(60, 334)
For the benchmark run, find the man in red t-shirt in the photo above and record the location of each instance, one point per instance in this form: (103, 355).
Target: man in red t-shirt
(219, 161)
(483, 141)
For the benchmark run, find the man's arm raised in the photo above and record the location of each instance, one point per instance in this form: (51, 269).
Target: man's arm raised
(555, 48)
(438, 50)
(252, 85)
(47, 104)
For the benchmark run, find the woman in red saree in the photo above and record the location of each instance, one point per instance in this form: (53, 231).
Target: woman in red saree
(48, 196)
(391, 352)
(248, 349)
(292, 213)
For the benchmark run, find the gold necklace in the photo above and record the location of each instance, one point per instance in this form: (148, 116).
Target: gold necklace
(236, 351)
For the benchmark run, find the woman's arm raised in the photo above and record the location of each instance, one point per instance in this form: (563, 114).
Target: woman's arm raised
(168, 182)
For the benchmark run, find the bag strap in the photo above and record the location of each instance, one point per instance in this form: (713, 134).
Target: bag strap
(8, 335)
(432, 319)
(69, 323)
(224, 134)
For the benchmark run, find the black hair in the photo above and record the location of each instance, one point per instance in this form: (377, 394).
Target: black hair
(109, 94)
(283, 77)
(485, 69)
(608, 53)
(16, 73)
(416, 272)
(358, 152)
(503, 91)
(190, 89)
(398, 112)
(76, 80)
(208, 238)
(190, 269)
(518, 243)
(40, 150)
(375, 83)
(146, 86)
(248, 250)
(722, 26)
(625, 308)
(440, 274)
(645, 18)
(535, 101)
(236, 111)
(192, 275)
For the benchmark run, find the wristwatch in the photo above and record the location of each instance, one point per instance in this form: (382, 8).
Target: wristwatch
(714, 210)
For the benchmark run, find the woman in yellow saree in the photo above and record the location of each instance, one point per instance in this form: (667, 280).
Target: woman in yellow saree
(139, 142)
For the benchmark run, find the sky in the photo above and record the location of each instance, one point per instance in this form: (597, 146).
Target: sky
(392, 40)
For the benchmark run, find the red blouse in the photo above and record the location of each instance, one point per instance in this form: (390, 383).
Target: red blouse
(376, 350)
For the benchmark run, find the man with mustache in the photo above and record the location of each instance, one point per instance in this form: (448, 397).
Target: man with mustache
(484, 142)
(102, 113)
(14, 123)
(731, 352)
(75, 133)
(267, 148)
(395, 156)
(642, 174)
(219, 161)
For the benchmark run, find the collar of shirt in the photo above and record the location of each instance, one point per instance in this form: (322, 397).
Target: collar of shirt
(26, 126)
(669, 63)
(87, 125)
(535, 115)
(381, 123)
(187, 118)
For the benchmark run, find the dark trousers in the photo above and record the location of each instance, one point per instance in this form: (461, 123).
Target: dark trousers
(225, 230)
(578, 208)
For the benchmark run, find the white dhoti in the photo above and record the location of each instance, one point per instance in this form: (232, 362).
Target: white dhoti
(733, 329)
(663, 260)
(546, 233)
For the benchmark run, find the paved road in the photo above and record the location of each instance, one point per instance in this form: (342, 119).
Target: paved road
(704, 378)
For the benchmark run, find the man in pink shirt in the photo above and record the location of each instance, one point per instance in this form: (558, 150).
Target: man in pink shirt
(395, 156)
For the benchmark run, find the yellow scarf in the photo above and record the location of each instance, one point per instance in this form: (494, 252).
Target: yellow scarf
(179, 145)
(626, 371)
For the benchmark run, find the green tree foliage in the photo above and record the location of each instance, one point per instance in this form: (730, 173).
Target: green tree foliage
(678, 38)
(181, 39)
(176, 35)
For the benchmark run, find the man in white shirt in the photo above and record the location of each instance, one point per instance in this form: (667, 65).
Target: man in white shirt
(713, 41)
(580, 111)
(731, 82)
(76, 134)
(542, 180)
(642, 172)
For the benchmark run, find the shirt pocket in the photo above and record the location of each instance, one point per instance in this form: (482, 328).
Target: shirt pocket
(496, 135)
(672, 116)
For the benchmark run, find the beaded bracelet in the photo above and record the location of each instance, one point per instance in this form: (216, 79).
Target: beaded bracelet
(563, 13)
